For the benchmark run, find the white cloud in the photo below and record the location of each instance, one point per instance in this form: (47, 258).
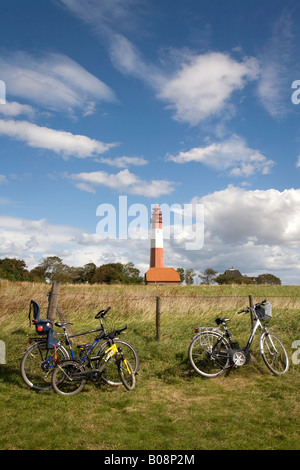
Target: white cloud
(53, 81)
(62, 142)
(108, 14)
(124, 161)
(262, 217)
(32, 240)
(201, 86)
(204, 84)
(256, 231)
(122, 181)
(277, 62)
(232, 155)
(13, 109)
(3, 179)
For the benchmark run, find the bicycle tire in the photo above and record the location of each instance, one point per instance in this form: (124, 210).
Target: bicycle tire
(110, 374)
(38, 363)
(126, 374)
(63, 381)
(208, 354)
(273, 353)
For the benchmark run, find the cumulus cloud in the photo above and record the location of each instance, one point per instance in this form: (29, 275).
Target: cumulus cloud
(53, 81)
(261, 217)
(61, 142)
(204, 84)
(201, 86)
(122, 181)
(13, 109)
(256, 231)
(32, 240)
(232, 155)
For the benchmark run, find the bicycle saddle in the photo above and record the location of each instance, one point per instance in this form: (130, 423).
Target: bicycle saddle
(63, 323)
(221, 320)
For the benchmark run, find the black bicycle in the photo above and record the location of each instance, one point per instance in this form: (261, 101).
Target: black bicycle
(212, 351)
(38, 361)
(70, 375)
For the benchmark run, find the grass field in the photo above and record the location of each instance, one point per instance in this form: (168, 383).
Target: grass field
(171, 408)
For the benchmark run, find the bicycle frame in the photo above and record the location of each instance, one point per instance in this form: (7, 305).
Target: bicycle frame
(256, 325)
(227, 336)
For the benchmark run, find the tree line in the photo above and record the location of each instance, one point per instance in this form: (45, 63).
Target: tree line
(210, 276)
(52, 269)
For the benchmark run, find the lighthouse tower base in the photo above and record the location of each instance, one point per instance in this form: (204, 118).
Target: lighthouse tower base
(162, 277)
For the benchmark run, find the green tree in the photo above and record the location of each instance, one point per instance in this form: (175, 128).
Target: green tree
(208, 276)
(85, 274)
(268, 279)
(55, 270)
(132, 274)
(37, 274)
(189, 276)
(181, 274)
(13, 269)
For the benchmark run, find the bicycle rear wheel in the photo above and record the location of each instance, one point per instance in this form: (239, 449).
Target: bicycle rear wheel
(209, 354)
(110, 374)
(126, 374)
(38, 363)
(273, 353)
(66, 379)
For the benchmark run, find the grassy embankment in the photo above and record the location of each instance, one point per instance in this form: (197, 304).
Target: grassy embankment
(172, 407)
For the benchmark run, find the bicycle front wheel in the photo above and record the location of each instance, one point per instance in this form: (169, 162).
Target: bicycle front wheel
(209, 354)
(38, 363)
(66, 378)
(126, 374)
(273, 353)
(110, 374)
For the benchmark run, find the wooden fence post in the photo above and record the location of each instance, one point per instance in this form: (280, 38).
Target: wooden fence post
(53, 307)
(157, 318)
(53, 301)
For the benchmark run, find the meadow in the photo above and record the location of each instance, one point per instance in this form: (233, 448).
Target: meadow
(171, 408)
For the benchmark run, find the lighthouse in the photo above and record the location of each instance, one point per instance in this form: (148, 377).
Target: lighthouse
(158, 274)
(157, 249)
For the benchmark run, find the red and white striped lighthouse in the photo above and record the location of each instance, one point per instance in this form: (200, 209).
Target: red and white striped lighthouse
(157, 248)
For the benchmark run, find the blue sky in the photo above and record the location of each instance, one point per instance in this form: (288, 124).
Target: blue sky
(175, 102)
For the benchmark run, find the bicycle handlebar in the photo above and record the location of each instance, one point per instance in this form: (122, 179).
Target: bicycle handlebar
(115, 333)
(246, 310)
(102, 313)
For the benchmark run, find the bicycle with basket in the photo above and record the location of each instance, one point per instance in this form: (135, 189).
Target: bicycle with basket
(212, 350)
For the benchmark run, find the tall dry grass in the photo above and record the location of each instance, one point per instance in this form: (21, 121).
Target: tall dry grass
(84, 301)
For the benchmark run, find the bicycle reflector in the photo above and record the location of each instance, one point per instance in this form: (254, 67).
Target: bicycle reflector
(40, 328)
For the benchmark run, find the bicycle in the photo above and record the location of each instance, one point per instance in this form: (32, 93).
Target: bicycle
(212, 351)
(70, 375)
(38, 362)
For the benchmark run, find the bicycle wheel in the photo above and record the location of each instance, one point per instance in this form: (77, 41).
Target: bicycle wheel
(38, 363)
(66, 379)
(110, 374)
(126, 374)
(273, 353)
(209, 354)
